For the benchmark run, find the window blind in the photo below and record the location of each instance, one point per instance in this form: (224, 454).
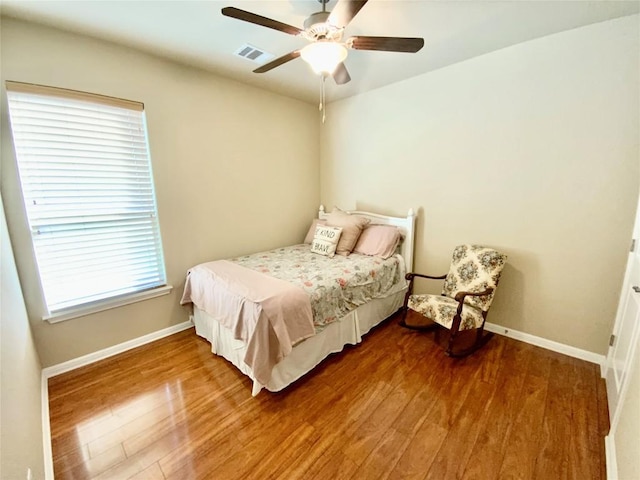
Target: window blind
(88, 190)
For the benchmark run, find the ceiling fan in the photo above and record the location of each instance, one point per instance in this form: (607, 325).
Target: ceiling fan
(327, 51)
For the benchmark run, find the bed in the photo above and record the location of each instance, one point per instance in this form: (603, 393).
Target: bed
(332, 300)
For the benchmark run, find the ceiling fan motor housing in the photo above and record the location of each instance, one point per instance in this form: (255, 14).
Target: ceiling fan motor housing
(316, 27)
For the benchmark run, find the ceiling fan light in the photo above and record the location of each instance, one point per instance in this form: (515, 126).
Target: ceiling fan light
(324, 57)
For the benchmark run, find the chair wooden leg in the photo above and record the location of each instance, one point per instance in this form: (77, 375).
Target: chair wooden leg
(420, 328)
(403, 318)
(481, 339)
(455, 327)
(449, 350)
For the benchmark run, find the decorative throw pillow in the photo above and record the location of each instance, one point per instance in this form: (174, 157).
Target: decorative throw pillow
(378, 240)
(351, 225)
(326, 240)
(312, 230)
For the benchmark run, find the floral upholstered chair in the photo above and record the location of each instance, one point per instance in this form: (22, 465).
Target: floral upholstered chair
(466, 296)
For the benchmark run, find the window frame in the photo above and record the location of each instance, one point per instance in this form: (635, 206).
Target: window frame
(159, 286)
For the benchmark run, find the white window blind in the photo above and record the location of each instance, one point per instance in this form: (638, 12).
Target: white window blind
(88, 190)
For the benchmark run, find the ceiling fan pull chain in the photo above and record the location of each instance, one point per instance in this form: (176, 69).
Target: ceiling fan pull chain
(323, 106)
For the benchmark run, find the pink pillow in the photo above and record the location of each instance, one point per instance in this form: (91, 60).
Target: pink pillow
(312, 230)
(351, 225)
(378, 240)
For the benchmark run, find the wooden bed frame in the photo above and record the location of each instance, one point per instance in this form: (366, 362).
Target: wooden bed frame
(348, 330)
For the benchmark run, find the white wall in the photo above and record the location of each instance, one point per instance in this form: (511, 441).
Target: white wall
(532, 149)
(236, 170)
(20, 378)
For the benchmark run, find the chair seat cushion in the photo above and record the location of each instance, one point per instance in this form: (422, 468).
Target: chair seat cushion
(442, 310)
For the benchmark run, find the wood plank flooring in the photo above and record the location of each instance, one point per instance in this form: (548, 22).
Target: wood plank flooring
(392, 407)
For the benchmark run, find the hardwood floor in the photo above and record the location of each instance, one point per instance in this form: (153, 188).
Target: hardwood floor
(392, 407)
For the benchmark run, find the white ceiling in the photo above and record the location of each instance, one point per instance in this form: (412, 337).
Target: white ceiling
(195, 32)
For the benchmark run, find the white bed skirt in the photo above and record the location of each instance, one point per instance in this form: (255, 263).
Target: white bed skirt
(307, 354)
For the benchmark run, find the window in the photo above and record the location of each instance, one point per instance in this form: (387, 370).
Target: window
(87, 185)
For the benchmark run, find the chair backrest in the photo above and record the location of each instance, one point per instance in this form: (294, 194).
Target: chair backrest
(474, 268)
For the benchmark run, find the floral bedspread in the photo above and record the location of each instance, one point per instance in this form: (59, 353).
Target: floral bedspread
(335, 285)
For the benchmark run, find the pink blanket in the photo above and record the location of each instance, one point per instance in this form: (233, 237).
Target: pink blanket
(268, 314)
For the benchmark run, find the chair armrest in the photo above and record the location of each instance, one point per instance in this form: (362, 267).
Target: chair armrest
(411, 275)
(460, 295)
(457, 318)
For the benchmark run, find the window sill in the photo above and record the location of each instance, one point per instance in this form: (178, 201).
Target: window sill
(96, 307)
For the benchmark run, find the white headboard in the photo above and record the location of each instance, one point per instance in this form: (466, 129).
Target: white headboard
(406, 225)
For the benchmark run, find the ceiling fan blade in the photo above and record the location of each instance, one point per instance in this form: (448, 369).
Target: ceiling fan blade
(387, 44)
(341, 75)
(344, 11)
(277, 62)
(260, 20)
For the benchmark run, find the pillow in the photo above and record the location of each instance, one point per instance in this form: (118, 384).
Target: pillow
(378, 240)
(325, 240)
(351, 225)
(312, 230)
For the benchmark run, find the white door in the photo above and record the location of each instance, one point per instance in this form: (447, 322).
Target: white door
(626, 328)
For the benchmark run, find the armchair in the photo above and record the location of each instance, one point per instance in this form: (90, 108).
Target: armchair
(466, 296)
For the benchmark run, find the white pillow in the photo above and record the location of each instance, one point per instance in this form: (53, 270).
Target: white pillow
(325, 240)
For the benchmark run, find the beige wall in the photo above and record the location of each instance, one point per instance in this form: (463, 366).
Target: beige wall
(236, 170)
(532, 149)
(20, 378)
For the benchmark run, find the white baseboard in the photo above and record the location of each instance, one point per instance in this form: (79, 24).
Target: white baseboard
(610, 456)
(548, 344)
(72, 364)
(46, 430)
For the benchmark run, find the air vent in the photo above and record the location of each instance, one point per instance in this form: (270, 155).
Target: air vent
(253, 54)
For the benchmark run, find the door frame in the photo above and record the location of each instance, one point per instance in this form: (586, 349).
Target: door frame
(617, 389)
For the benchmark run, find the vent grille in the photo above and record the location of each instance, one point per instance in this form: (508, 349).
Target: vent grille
(253, 54)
